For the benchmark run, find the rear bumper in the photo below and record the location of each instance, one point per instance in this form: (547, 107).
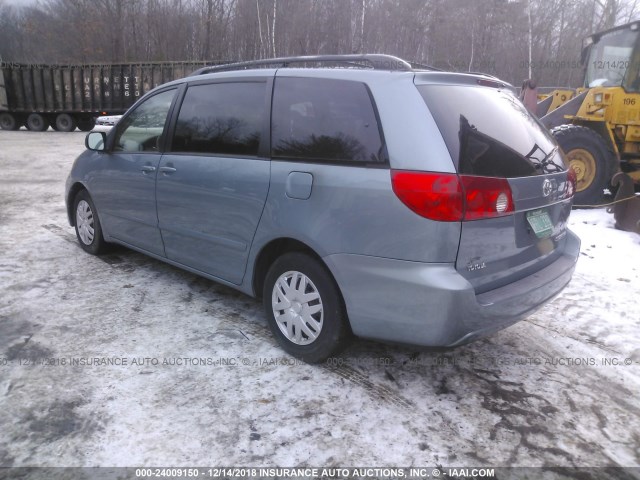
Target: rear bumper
(432, 304)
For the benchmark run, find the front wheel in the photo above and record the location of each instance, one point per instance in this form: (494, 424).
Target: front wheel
(8, 122)
(591, 159)
(87, 223)
(304, 308)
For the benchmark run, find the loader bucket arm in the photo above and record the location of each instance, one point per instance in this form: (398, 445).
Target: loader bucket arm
(556, 118)
(543, 106)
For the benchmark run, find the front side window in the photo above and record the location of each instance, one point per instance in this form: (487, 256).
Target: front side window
(325, 120)
(611, 58)
(221, 118)
(141, 130)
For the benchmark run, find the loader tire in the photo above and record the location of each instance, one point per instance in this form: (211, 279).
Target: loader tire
(590, 157)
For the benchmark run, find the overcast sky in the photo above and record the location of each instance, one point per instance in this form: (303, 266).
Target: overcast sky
(19, 3)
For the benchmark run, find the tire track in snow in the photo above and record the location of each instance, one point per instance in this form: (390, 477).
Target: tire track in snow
(60, 232)
(111, 259)
(375, 390)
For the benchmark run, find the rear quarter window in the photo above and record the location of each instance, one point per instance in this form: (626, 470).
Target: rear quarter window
(490, 133)
(325, 120)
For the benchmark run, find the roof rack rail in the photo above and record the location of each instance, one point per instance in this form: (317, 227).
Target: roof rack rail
(375, 61)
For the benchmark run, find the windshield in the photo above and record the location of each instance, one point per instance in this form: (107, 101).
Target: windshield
(610, 60)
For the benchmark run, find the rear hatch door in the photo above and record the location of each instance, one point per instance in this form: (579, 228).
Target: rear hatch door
(489, 133)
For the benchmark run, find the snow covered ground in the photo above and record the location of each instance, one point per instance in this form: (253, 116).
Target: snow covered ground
(196, 379)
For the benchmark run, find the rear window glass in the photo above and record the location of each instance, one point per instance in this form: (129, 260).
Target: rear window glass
(221, 118)
(325, 120)
(490, 133)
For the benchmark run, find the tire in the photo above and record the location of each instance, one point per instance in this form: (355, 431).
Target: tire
(37, 123)
(87, 223)
(86, 124)
(589, 155)
(65, 123)
(326, 330)
(8, 122)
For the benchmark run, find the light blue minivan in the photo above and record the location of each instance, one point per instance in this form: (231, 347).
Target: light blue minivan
(354, 194)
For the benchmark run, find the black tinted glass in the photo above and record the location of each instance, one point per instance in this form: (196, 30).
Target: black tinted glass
(329, 120)
(221, 118)
(490, 133)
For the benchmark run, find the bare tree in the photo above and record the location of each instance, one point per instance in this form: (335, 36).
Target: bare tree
(514, 39)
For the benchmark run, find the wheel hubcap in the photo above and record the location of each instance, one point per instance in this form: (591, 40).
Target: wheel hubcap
(297, 308)
(584, 164)
(84, 222)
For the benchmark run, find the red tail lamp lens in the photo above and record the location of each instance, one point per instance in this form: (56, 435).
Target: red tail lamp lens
(486, 197)
(572, 182)
(437, 196)
(448, 197)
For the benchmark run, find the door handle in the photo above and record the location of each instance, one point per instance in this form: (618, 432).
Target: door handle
(167, 170)
(148, 169)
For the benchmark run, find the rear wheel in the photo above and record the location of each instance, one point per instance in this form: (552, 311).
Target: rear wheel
(88, 228)
(591, 159)
(304, 308)
(65, 123)
(37, 123)
(8, 122)
(86, 124)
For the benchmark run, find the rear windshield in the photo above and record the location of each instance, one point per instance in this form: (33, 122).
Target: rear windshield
(490, 133)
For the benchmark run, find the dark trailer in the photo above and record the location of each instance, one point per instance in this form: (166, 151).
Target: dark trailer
(70, 96)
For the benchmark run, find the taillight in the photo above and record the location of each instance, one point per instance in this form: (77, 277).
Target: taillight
(486, 197)
(572, 182)
(448, 197)
(437, 196)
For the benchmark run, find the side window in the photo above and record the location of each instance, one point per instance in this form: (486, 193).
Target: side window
(325, 120)
(221, 118)
(141, 130)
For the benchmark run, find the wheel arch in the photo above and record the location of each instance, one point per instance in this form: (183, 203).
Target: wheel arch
(76, 188)
(271, 251)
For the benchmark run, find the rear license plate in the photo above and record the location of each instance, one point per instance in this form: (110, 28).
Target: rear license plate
(540, 223)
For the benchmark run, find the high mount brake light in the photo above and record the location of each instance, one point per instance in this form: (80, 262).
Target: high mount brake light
(490, 83)
(449, 197)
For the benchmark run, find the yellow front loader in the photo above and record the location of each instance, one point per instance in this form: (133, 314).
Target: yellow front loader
(598, 125)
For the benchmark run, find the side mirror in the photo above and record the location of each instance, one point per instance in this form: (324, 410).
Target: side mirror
(96, 141)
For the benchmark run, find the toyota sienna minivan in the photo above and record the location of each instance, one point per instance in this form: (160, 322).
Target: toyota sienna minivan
(353, 194)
